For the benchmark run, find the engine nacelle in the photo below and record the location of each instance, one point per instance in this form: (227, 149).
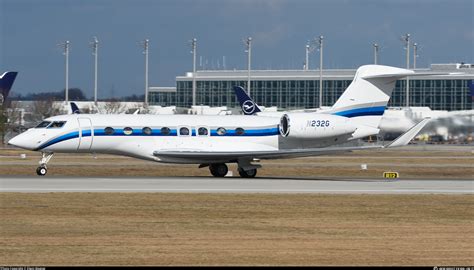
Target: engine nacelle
(314, 125)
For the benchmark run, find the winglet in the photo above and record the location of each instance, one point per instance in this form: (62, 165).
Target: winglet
(406, 137)
(248, 106)
(74, 108)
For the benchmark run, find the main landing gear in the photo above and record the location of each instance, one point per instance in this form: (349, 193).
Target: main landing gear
(42, 169)
(247, 174)
(221, 170)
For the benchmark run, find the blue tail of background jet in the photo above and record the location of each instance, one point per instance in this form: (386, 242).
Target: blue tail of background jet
(471, 87)
(74, 108)
(6, 82)
(248, 106)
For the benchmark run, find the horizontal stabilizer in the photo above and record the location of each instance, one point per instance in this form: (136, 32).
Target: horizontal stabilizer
(406, 137)
(413, 74)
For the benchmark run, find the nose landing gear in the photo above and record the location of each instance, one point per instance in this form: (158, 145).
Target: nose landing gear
(42, 169)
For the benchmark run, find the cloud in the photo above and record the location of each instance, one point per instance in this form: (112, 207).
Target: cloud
(271, 37)
(469, 35)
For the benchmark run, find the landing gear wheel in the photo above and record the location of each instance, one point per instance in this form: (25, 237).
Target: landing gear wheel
(41, 170)
(247, 174)
(218, 170)
(46, 157)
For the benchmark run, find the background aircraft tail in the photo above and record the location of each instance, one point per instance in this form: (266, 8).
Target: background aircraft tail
(74, 108)
(471, 87)
(248, 106)
(366, 98)
(6, 82)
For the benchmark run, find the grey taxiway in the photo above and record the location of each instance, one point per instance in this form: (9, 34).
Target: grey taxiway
(235, 185)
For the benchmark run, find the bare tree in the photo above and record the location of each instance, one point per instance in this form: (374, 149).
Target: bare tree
(11, 119)
(44, 109)
(113, 106)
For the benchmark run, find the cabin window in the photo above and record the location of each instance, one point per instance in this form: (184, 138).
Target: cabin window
(202, 131)
(165, 131)
(127, 131)
(57, 124)
(109, 131)
(184, 131)
(239, 131)
(146, 131)
(221, 131)
(43, 124)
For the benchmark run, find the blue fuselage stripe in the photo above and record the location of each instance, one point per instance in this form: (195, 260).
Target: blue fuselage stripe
(362, 112)
(155, 132)
(65, 137)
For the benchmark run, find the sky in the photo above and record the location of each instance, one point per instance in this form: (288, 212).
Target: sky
(30, 31)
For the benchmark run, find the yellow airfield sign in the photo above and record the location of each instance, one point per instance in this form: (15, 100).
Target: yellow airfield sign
(390, 175)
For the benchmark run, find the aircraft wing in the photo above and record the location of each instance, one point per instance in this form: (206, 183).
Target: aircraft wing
(213, 156)
(229, 156)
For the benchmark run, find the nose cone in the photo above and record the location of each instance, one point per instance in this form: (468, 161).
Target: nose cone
(14, 141)
(22, 141)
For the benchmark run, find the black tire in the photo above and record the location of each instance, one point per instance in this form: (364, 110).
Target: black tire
(218, 170)
(248, 174)
(41, 171)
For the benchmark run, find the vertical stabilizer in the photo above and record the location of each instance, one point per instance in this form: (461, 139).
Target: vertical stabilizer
(366, 98)
(248, 106)
(6, 82)
(74, 108)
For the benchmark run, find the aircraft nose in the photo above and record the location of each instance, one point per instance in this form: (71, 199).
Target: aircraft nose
(20, 141)
(14, 141)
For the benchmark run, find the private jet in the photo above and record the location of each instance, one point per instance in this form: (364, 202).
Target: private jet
(215, 141)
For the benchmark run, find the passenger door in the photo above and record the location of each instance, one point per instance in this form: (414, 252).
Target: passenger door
(86, 134)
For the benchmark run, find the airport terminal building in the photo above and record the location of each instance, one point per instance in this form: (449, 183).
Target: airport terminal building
(297, 89)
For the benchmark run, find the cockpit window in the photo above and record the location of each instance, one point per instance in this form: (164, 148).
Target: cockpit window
(57, 124)
(43, 124)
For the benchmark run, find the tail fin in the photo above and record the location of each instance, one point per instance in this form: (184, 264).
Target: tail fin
(366, 98)
(6, 82)
(471, 87)
(248, 106)
(74, 108)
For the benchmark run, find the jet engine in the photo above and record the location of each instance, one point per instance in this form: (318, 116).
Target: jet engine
(314, 125)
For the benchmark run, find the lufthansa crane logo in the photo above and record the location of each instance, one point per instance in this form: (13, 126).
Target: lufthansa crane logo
(248, 107)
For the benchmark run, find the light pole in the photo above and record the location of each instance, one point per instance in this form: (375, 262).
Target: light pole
(376, 53)
(309, 49)
(248, 43)
(65, 46)
(194, 47)
(406, 38)
(320, 70)
(95, 52)
(145, 45)
(415, 55)
(307, 57)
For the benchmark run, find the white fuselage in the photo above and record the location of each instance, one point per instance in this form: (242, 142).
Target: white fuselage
(141, 135)
(149, 133)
